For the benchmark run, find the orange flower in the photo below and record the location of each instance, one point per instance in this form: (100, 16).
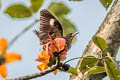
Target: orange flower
(52, 47)
(55, 72)
(60, 43)
(57, 45)
(8, 56)
(49, 48)
(42, 66)
(43, 57)
(63, 54)
(3, 45)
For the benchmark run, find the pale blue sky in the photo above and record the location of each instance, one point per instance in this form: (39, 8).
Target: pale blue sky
(87, 16)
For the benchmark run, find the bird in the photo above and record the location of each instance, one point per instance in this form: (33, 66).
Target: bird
(50, 28)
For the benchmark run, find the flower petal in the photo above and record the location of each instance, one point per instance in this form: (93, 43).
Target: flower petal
(3, 45)
(55, 72)
(50, 54)
(60, 43)
(49, 48)
(62, 57)
(43, 57)
(12, 57)
(52, 47)
(3, 71)
(63, 54)
(42, 66)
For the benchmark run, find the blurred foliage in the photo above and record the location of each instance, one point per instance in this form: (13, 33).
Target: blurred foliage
(106, 3)
(87, 63)
(75, 0)
(18, 11)
(22, 11)
(0, 3)
(60, 10)
(100, 42)
(67, 25)
(36, 5)
(111, 68)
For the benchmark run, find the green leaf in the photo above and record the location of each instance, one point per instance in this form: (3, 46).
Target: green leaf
(87, 63)
(35, 5)
(112, 59)
(0, 3)
(95, 70)
(58, 8)
(18, 11)
(67, 25)
(111, 69)
(52, 61)
(106, 3)
(100, 42)
(75, 0)
(72, 70)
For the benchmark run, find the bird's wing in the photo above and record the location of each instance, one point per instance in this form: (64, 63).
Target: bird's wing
(50, 28)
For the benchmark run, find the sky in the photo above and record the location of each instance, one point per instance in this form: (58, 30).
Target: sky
(87, 17)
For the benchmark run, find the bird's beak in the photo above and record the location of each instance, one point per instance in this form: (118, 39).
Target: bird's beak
(75, 33)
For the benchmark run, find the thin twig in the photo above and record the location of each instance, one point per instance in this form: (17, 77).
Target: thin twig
(78, 58)
(35, 75)
(72, 59)
(21, 33)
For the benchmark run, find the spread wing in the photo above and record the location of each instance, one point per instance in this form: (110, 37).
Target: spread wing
(50, 28)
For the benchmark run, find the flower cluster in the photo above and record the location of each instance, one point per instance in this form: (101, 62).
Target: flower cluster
(6, 57)
(50, 51)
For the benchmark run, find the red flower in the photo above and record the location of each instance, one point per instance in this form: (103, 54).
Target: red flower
(56, 46)
(48, 51)
(60, 43)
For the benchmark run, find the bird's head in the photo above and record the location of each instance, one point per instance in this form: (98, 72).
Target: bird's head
(69, 37)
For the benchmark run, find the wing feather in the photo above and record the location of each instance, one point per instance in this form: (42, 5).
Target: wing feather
(50, 28)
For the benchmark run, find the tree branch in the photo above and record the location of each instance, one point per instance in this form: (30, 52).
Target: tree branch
(110, 31)
(35, 75)
(39, 74)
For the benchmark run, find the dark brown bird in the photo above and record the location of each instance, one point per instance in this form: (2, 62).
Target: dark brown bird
(50, 28)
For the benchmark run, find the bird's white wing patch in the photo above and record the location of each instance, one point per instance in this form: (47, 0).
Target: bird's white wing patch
(52, 22)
